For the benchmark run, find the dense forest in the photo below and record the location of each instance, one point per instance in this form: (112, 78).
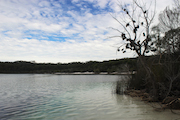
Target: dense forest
(91, 66)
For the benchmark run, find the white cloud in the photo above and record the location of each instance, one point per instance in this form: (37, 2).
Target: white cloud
(85, 33)
(50, 51)
(102, 3)
(44, 4)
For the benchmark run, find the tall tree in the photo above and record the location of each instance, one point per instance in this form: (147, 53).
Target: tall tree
(135, 34)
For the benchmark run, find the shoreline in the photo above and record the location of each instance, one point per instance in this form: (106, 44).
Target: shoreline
(73, 73)
(172, 103)
(92, 73)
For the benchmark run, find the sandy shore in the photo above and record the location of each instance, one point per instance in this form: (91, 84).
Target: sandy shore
(92, 73)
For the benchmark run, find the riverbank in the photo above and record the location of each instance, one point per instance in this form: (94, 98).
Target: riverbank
(167, 103)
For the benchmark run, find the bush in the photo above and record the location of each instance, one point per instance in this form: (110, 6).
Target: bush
(122, 84)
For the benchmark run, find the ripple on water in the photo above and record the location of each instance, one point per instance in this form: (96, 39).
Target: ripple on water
(53, 97)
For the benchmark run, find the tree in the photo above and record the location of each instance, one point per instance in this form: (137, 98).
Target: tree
(169, 50)
(136, 28)
(169, 24)
(135, 34)
(169, 19)
(171, 41)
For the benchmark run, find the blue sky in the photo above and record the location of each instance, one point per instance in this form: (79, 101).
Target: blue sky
(61, 30)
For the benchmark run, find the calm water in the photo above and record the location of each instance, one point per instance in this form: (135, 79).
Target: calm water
(69, 97)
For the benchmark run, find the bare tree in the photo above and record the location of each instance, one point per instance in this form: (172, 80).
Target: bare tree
(135, 33)
(136, 28)
(170, 18)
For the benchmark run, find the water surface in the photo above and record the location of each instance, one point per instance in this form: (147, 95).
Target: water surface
(70, 97)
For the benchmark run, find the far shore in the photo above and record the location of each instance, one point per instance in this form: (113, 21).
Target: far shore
(92, 73)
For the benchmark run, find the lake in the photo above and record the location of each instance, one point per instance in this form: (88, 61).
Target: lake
(70, 97)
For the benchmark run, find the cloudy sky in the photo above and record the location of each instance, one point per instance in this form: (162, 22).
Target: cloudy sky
(61, 30)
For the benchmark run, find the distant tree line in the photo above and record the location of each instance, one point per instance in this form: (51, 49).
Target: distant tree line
(90, 66)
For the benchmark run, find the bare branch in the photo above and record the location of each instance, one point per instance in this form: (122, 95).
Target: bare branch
(116, 29)
(122, 25)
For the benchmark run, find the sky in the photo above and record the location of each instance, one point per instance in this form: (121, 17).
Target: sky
(62, 31)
